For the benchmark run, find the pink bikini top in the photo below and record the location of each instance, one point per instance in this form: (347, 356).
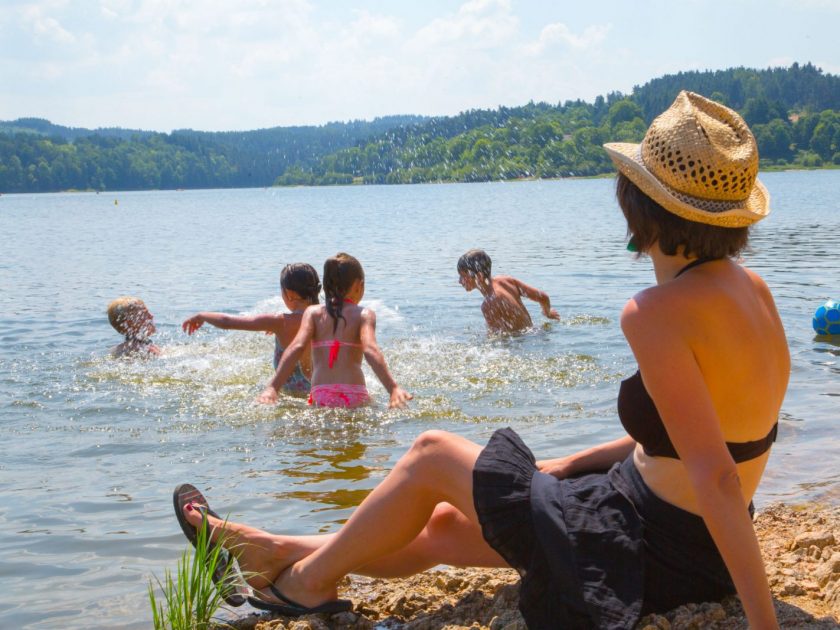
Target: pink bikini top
(334, 346)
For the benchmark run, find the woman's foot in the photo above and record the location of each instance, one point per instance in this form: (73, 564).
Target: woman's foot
(262, 556)
(298, 591)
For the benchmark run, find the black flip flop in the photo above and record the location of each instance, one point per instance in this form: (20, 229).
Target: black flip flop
(292, 609)
(234, 589)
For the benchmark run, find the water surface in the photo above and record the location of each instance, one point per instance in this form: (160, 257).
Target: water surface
(92, 448)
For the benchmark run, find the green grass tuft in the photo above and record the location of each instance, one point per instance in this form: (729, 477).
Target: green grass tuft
(190, 598)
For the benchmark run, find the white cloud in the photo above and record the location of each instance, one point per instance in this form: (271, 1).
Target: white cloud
(43, 26)
(242, 64)
(477, 24)
(368, 26)
(559, 33)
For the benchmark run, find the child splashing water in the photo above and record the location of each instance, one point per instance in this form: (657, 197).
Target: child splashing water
(299, 288)
(340, 332)
(130, 317)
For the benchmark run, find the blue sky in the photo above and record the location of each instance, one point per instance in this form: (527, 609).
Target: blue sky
(248, 64)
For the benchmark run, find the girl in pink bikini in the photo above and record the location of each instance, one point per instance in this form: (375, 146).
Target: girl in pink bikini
(341, 332)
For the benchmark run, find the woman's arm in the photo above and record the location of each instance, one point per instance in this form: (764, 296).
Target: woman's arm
(374, 357)
(593, 459)
(291, 355)
(676, 384)
(263, 322)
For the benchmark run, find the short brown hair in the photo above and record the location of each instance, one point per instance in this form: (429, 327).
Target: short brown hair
(475, 261)
(649, 223)
(122, 311)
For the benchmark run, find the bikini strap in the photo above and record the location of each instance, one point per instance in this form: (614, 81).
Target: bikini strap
(693, 264)
(334, 346)
(745, 451)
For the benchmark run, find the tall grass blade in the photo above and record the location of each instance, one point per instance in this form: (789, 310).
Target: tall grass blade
(190, 598)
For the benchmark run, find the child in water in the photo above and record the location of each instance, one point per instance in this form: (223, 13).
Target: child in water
(340, 332)
(130, 317)
(299, 288)
(502, 306)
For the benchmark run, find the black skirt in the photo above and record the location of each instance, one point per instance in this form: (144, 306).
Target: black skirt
(595, 551)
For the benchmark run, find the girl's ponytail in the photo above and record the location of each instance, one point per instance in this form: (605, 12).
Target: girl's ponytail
(340, 272)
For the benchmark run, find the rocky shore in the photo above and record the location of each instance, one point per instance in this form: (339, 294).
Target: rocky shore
(801, 547)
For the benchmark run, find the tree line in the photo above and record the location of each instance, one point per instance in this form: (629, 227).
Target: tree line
(794, 113)
(38, 156)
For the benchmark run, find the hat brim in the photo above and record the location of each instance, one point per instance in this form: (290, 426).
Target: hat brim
(627, 158)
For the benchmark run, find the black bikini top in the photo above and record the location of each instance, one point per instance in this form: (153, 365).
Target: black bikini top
(640, 418)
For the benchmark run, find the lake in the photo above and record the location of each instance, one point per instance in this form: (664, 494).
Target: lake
(92, 447)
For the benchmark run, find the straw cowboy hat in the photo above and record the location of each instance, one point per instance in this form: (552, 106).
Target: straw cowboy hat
(698, 160)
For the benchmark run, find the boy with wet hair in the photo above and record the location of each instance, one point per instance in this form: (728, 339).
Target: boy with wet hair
(130, 317)
(502, 306)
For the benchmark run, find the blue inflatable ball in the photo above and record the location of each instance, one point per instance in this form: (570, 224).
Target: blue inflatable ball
(827, 319)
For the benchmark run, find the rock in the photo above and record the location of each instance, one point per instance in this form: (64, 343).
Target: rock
(792, 588)
(348, 620)
(506, 597)
(395, 603)
(449, 583)
(654, 622)
(510, 620)
(817, 538)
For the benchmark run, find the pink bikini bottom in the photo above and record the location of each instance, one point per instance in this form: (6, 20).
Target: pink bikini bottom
(338, 395)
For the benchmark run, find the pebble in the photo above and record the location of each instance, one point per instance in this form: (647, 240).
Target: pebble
(818, 539)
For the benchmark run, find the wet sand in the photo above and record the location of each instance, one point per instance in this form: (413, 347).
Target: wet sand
(800, 544)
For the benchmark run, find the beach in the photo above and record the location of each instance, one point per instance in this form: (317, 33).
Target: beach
(800, 544)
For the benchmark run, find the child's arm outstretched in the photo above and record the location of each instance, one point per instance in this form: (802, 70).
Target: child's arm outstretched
(263, 322)
(536, 295)
(374, 357)
(289, 360)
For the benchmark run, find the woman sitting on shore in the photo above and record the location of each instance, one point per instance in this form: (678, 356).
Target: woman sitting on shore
(652, 520)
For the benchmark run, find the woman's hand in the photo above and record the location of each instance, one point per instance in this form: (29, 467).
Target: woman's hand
(560, 467)
(268, 397)
(192, 324)
(399, 398)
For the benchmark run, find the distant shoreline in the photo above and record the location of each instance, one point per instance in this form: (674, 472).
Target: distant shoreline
(764, 169)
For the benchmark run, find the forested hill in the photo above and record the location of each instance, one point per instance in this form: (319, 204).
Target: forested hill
(794, 112)
(38, 156)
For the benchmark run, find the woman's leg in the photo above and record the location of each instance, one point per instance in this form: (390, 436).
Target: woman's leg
(448, 538)
(437, 469)
(448, 535)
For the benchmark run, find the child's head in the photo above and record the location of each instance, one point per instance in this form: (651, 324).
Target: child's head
(474, 264)
(303, 280)
(130, 317)
(340, 273)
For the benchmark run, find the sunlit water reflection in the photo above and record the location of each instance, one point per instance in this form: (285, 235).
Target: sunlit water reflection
(92, 447)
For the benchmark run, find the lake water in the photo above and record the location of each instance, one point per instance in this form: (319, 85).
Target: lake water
(91, 448)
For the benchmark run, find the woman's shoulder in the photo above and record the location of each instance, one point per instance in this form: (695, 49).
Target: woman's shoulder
(650, 303)
(672, 305)
(693, 302)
